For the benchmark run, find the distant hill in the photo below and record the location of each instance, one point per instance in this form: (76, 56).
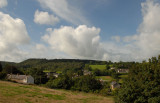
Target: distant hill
(56, 64)
(5, 63)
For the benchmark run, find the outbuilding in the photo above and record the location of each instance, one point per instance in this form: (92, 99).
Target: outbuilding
(25, 79)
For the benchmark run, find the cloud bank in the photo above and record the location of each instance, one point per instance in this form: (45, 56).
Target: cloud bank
(3, 3)
(41, 17)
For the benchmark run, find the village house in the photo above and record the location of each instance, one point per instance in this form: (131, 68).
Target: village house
(122, 70)
(25, 79)
(49, 74)
(86, 72)
(114, 85)
(112, 68)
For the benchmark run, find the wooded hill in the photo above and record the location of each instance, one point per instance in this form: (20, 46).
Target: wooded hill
(53, 64)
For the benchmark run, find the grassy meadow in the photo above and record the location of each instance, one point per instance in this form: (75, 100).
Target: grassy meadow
(107, 78)
(19, 93)
(100, 67)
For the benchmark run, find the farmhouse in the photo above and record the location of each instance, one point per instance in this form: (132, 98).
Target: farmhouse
(122, 70)
(25, 79)
(86, 72)
(114, 85)
(49, 74)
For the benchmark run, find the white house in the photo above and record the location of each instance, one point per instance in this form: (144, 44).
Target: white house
(86, 72)
(49, 74)
(122, 70)
(114, 85)
(25, 79)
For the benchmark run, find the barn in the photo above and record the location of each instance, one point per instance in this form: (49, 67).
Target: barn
(25, 79)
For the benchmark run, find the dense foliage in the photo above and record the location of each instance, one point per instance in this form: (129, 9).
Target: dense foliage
(83, 83)
(10, 69)
(38, 75)
(2, 74)
(0, 67)
(86, 83)
(142, 84)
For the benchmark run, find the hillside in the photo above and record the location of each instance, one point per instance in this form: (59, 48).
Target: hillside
(19, 93)
(5, 63)
(56, 64)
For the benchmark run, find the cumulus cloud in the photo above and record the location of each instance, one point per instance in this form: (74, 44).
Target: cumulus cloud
(41, 17)
(145, 43)
(3, 3)
(13, 34)
(147, 39)
(64, 10)
(81, 42)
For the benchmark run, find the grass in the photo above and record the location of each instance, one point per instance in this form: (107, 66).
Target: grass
(107, 78)
(58, 72)
(100, 67)
(19, 93)
(122, 76)
(46, 71)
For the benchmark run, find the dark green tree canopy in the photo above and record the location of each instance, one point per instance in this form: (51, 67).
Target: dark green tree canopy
(142, 84)
(1, 67)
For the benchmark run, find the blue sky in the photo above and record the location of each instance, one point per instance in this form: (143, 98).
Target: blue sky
(85, 29)
(114, 17)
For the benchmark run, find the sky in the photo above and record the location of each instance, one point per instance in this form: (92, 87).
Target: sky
(116, 30)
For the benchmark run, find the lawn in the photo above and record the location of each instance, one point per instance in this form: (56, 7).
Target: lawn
(46, 71)
(19, 93)
(107, 78)
(122, 76)
(100, 67)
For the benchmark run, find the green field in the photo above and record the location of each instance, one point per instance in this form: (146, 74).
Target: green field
(107, 78)
(19, 93)
(100, 67)
(122, 76)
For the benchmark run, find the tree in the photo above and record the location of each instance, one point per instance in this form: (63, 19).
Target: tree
(39, 76)
(142, 84)
(1, 67)
(97, 72)
(86, 83)
(3, 75)
(11, 69)
(62, 82)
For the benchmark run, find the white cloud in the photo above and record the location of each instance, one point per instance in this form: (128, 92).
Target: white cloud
(148, 39)
(64, 10)
(3, 3)
(84, 42)
(145, 43)
(13, 34)
(41, 17)
(81, 42)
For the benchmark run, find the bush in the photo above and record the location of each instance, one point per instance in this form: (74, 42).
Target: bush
(86, 83)
(2, 75)
(62, 82)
